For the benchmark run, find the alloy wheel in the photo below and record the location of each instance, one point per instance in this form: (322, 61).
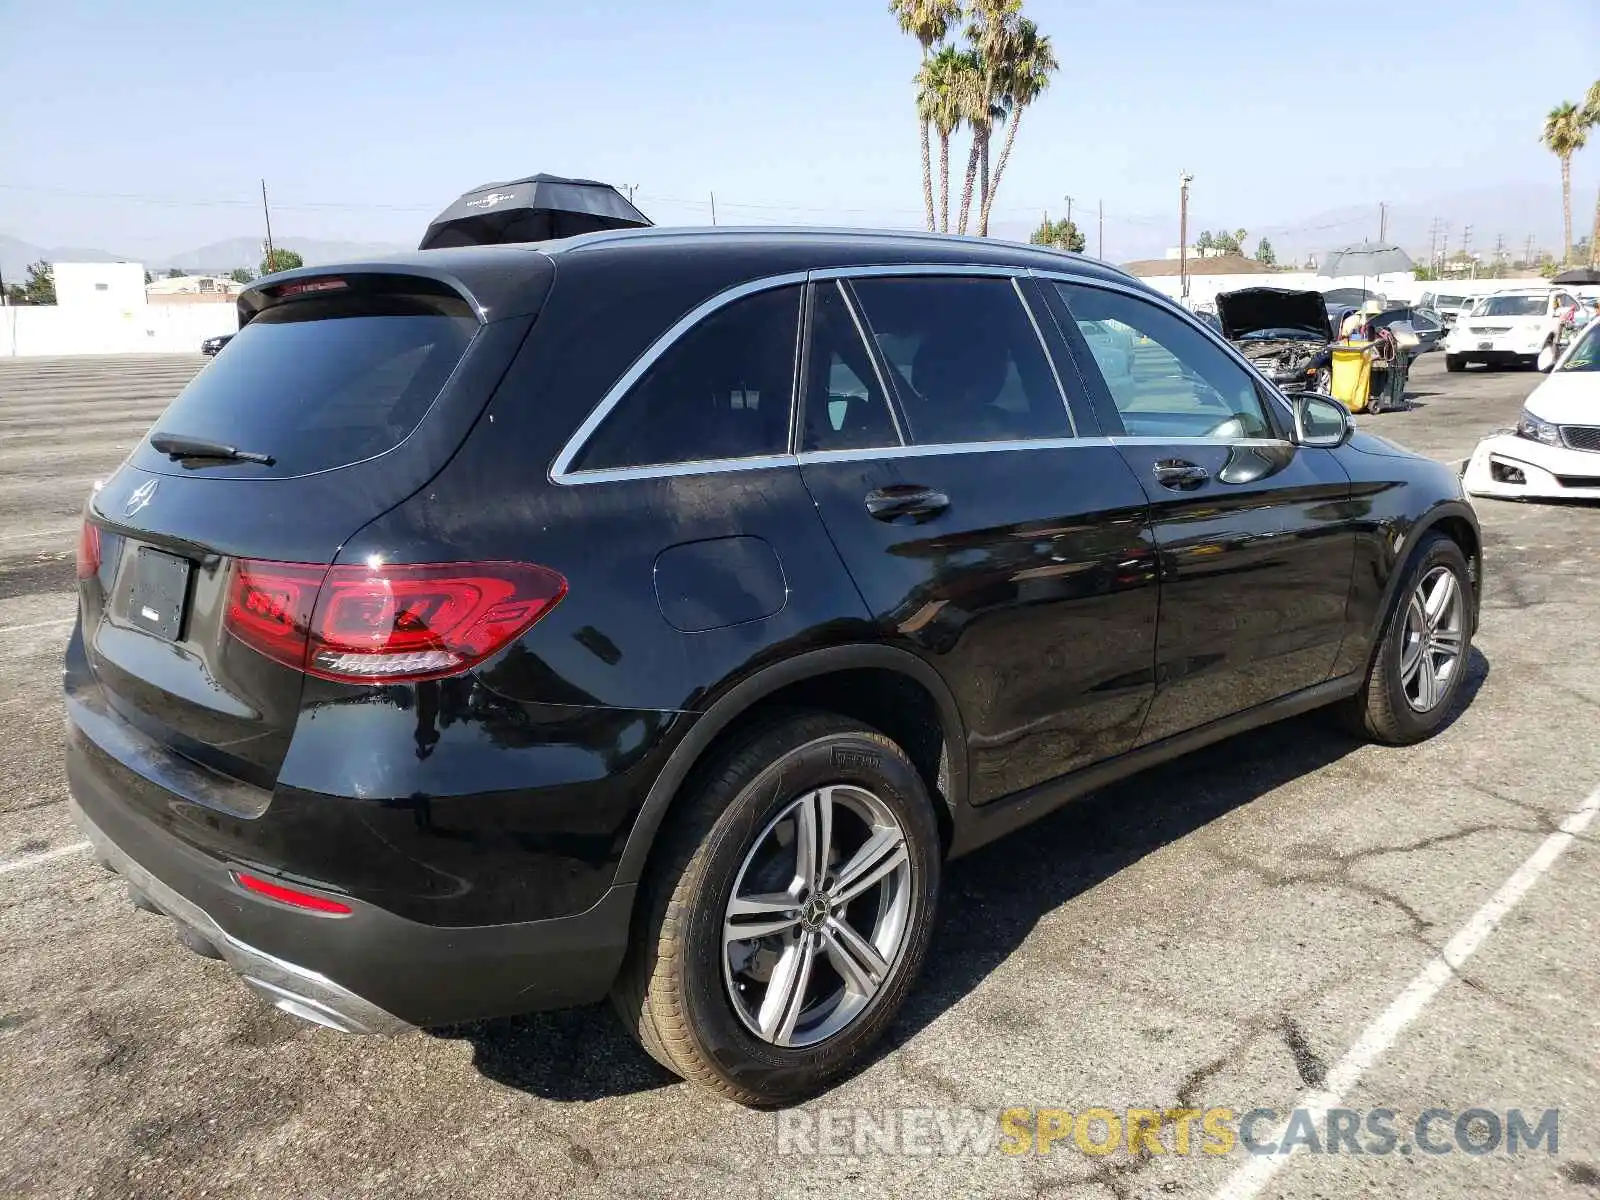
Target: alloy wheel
(1434, 639)
(817, 918)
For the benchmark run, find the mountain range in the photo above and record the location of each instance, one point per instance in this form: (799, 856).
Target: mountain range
(219, 257)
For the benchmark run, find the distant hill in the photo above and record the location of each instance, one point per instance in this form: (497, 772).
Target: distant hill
(16, 254)
(224, 256)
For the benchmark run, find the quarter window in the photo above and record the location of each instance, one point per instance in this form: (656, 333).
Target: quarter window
(1165, 378)
(964, 360)
(721, 391)
(845, 405)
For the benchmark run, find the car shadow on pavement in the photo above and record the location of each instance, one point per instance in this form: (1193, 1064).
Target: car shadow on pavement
(991, 901)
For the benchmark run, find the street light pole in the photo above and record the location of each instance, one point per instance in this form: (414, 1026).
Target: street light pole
(1184, 180)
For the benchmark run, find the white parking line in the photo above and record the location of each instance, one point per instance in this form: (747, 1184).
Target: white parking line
(37, 625)
(1247, 1182)
(38, 860)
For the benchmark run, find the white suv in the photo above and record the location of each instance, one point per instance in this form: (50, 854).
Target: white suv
(1516, 327)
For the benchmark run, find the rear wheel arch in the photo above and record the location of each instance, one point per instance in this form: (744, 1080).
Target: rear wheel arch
(888, 689)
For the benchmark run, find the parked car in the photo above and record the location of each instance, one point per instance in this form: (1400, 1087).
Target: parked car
(211, 345)
(653, 613)
(1554, 451)
(1425, 323)
(1524, 327)
(1449, 305)
(1279, 331)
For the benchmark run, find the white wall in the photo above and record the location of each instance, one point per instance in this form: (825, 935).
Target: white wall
(50, 329)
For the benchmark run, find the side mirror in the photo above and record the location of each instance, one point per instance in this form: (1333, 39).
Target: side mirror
(1320, 421)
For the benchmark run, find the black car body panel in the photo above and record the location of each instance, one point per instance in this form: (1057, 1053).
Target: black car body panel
(1059, 616)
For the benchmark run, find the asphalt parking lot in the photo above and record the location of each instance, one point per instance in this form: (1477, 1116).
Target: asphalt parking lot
(1226, 931)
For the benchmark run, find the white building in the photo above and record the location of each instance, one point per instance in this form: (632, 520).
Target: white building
(193, 285)
(99, 286)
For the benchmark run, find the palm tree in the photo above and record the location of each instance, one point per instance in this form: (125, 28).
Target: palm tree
(992, 33)
(942, 85)
(1565, 132)
(929, 22)
(1027, 75)
(1591, 118)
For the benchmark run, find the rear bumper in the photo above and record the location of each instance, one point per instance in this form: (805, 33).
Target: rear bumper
(292, 988)
(369, 972)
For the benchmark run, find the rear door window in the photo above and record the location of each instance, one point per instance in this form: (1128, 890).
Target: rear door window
(721, 391)
(323, 382)
(964, 358)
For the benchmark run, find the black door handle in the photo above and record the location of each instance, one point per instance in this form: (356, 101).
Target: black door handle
(1180, 474)
(906, 500)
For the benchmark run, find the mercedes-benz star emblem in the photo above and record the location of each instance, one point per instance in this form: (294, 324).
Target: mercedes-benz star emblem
(140, 498)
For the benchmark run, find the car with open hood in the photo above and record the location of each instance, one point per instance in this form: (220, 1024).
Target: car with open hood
(1278, 330)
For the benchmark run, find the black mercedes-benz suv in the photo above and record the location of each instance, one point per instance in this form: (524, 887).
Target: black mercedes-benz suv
(652, 614)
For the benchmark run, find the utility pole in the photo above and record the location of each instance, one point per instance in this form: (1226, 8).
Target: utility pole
(1527, 254)
(1184, 180)
(1433, 242)
(1499, 248)
(1069, 209)
(1101, 253)
(1444, 247)
(1383, 221)
(267, 213)
(713, 208)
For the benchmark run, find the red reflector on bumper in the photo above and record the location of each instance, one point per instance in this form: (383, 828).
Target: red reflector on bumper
(288, 895)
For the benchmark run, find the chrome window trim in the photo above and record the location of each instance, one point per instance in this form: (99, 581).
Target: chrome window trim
(707, 466)
(1044, 348)
(561, 469)
(819, 457)
(1128, 439)
(866, 272)
(874, 354)
(1153, 296)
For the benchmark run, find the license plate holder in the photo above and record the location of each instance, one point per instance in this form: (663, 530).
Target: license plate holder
(160, 587)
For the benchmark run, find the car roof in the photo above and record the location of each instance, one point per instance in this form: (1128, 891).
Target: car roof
(513, 278)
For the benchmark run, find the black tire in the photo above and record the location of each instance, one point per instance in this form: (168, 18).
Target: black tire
(672, 994)
(1454, 363)
(1381, 711)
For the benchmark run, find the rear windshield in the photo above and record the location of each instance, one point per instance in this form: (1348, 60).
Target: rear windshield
(323, 382)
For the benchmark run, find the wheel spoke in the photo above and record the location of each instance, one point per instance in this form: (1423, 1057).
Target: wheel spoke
(881, 853)
(1427, 682)
(857, 960)
(759, 916)
(813, 831)
(1411, 657)
(786, 993)
(1448, 641)
(1440, 601)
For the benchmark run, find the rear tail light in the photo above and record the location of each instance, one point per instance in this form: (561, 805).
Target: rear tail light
(88, 549)
(386, 624)
(291, 896)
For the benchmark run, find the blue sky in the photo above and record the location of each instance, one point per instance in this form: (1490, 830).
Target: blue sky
(367, 117)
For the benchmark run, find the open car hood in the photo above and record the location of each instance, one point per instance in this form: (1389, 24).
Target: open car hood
(1250, 310)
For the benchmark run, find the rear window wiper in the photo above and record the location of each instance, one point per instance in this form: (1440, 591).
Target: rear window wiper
(176, 446)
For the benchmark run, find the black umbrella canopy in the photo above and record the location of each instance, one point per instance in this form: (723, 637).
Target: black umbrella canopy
(534, 209)
(1365, 258)
(1578, 275)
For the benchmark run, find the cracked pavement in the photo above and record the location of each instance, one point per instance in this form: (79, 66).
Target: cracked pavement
(1217, 931)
